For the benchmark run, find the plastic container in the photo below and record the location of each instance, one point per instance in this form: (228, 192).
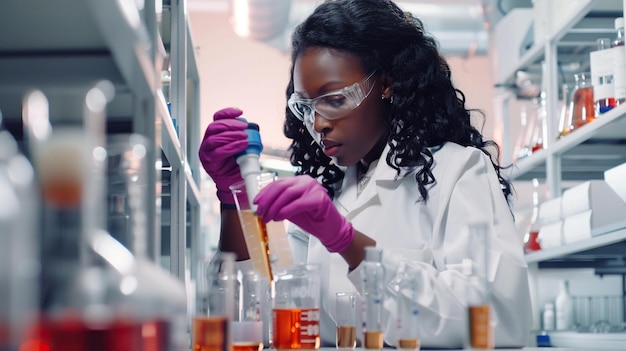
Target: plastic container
(564, 307)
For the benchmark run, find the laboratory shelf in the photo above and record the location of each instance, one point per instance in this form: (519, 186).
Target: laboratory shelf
(584, 250)
(585, 153)
(575, 37)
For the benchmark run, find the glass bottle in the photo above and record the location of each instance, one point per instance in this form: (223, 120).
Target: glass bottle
(373, 294)
(405, 288)
(476, 268)
(583, 105)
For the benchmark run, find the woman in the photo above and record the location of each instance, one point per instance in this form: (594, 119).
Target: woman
(387, 157)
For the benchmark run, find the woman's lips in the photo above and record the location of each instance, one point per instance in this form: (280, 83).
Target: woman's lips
(330, 147)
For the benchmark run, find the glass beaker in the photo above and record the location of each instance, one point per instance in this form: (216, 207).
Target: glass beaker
(296, 308)
(583, 106)
(266, 242)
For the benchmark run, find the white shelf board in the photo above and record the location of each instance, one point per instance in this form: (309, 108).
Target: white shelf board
(37, 28)
(589, 150)
(578, 246)
(536, 53)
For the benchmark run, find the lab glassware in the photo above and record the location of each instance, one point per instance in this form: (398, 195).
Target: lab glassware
(476, 268)
(373, 293)
(345, 318)
(405, 287)
(248, 328)
(296, 308)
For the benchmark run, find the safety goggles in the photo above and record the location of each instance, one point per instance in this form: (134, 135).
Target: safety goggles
(333, 105)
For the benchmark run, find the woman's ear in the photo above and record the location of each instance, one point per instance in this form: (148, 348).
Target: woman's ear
(387, 90)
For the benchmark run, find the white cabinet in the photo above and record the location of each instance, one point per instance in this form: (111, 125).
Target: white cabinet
(582, 155)
(64, 46)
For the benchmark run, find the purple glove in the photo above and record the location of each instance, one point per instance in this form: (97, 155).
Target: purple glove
(224, 138)
(305, 202)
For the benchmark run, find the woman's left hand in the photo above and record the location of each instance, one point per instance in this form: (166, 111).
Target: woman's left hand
(304, 201)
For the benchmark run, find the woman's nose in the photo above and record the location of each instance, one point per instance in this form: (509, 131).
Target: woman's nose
(320, 123)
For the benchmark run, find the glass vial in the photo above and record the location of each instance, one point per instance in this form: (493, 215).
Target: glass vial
(345, 318)
(405, 288)
(373, 293)
(476, 268)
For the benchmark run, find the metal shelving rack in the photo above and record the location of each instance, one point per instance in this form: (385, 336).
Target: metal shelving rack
(69, 44)
(582, 155)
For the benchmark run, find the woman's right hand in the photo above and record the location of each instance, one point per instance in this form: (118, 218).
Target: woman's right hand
(224, 138)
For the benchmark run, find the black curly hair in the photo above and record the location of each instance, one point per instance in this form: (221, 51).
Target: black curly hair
(427, 109)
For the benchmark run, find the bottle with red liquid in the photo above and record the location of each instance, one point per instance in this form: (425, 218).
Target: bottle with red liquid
(583, 103)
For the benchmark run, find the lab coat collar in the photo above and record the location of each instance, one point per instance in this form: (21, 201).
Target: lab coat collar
(380, 187)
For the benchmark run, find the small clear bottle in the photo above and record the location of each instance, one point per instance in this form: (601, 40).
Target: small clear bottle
(373, 293)
(549, 317)
(476, 268)
(405, 288)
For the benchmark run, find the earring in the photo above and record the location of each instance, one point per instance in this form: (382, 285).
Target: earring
(391, 99)
(382, 97)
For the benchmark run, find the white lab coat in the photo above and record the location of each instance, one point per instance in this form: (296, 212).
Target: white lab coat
(432, 238)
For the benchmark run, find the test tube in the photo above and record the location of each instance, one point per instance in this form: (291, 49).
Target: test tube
(373, 291)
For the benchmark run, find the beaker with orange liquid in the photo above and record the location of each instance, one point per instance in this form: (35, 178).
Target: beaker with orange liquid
(296, 308)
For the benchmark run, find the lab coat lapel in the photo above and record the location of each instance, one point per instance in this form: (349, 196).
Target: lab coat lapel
(379, 188)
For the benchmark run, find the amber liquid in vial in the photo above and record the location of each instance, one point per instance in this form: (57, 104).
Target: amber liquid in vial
(409, 344)
(479, 329)
(373, 340)
(346, 336)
